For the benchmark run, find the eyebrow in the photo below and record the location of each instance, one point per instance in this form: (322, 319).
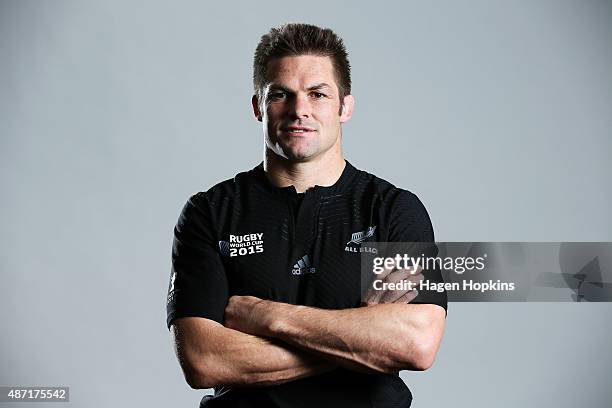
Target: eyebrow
(314, 87)
(318, 86)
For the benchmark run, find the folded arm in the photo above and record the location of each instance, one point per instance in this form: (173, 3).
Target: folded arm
(382, 337)
(211, 355)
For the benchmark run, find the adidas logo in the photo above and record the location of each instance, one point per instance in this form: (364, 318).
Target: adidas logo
(359, 237)
(303, 266)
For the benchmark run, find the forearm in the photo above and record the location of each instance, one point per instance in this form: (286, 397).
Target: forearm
(230, 357)
(384, 338)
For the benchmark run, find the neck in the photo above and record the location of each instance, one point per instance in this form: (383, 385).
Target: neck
(302, 175)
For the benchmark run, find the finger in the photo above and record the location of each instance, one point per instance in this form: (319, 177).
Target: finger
(372, 296)
(416, 279)
(385, 273)
(397, 276)
(407, 297)
(396, 285)
(403, 275)
(416, 269)
(391, 295)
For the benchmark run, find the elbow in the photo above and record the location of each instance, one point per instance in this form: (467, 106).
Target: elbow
(199, 382)
(414, 358)
(420, 346)
(423, 360)
(199, 378)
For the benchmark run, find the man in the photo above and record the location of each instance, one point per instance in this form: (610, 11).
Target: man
(265, 302)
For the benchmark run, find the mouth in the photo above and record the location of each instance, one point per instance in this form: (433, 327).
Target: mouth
(298, 130)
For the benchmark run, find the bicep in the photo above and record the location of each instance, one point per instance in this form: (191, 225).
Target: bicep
(411, 231)
(198, 283)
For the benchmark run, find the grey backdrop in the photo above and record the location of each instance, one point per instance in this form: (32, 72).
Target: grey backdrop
(499, 116)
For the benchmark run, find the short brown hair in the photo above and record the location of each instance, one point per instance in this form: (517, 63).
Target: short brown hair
(295, 39)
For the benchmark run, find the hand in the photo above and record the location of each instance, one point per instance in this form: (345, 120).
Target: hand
(249, 314)
(395, 276)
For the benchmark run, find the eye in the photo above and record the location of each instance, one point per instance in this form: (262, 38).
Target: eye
(318, 95)
(276, 95)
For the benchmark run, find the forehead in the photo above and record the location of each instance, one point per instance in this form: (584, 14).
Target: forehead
(301, 71)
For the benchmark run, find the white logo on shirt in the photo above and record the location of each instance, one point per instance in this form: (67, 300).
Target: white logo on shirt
(303, 266)
(357, 238)
(245, 244)
(172, 282)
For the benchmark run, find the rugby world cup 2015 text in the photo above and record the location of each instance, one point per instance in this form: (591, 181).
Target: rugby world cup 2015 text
(246, 244)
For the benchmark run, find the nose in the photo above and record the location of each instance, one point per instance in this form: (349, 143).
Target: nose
(301, 106)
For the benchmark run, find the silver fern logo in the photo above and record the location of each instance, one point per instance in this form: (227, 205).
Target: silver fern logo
(358, 237)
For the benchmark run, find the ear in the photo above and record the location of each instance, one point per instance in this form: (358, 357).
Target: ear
(256, 111)
(347, 108)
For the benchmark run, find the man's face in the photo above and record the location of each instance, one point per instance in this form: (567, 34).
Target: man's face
(300, 110)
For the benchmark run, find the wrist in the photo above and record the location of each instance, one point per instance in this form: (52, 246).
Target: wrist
(279, 315)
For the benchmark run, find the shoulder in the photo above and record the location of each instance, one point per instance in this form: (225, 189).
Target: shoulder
(225, 190)
(404, 211)
(388, 193)
(216, 203)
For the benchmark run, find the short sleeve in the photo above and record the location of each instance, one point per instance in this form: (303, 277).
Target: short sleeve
(198, 283)
(410, 223)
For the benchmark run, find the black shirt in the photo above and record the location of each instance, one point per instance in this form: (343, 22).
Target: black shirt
(245, 236)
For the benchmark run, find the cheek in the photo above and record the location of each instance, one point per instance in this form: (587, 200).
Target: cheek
(273, 115)
(275, 108)
(331, 120)
(329, 114)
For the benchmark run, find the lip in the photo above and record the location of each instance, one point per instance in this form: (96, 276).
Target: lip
(297, 130)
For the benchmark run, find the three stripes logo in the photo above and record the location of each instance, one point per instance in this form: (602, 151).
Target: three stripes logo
(303, 266)
(359, 237)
